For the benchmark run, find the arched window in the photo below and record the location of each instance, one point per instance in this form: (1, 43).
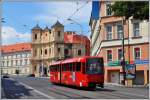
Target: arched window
(45, 51)
(59, 33)
(35, 36)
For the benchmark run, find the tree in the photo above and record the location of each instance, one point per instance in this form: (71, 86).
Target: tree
(137, 9)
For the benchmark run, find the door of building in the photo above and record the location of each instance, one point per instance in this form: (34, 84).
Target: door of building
(139, 79)
(114, 77)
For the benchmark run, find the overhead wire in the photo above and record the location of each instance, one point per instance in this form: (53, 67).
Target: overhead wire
(78, 9)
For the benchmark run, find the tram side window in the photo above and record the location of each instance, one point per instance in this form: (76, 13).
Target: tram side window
(51, 68)
(70, 67)
(65, 69)
(74, 66)
(78, 66)
(56, 68)
(83, 67)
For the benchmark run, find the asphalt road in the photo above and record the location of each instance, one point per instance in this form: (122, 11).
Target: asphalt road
(41, 88)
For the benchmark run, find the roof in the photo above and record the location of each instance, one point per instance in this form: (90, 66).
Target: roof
(36, 27)
(75, 38)
(57, 24)
(16, 47)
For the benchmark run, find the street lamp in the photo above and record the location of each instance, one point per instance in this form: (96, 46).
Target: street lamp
(18, 72)
(2, 20)
(123, 56)
(76, 23)
(82, 37)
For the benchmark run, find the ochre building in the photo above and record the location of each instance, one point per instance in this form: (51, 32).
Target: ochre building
(50, 45)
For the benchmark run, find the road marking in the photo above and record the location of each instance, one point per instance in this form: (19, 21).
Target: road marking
(50, 97)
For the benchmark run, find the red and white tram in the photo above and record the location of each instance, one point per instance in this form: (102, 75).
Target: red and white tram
(81, 72)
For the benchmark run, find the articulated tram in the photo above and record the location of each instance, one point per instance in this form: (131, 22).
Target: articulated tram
(81, 72)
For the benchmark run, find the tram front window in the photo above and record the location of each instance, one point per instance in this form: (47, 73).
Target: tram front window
(94, 66)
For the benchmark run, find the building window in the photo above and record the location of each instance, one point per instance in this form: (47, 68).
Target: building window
(25, 61)
(109, 55)
(66, 51)
(5, 57)
(108, 9)
(21, 62)
(35, 36)
(28, 55)
(119, 54)
(14, 56)
(109, 32)
(28, 61)
(136, 31)
(137, 53)
(2, 63)
(7, 63)
(18, 55)
(79, 52)
(58, 50)
(34, 68)
(35, 52)
(45, 51)
(16, 62)
(11, 62)
(50, 51)
(59, 33)
(119, 31)
(9, 57)
(23, 55)
(41, 51)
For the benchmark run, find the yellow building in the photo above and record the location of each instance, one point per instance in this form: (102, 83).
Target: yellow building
(48, 45)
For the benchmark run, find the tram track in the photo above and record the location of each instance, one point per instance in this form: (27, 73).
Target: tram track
(68, 94)
(118, 94)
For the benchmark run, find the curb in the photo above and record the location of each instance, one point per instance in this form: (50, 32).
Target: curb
(43, 77)
(113, 84)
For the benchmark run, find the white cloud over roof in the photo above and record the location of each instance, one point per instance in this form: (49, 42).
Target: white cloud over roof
(11, 36)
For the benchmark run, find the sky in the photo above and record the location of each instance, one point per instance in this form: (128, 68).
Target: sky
(21, 17)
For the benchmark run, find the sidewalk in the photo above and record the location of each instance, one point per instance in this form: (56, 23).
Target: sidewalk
(116, 84)
(43, 77)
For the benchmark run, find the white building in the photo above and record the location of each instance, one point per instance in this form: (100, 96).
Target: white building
(16, 57)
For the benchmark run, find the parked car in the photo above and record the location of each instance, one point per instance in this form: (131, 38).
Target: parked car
(5, 76)
(31, 75)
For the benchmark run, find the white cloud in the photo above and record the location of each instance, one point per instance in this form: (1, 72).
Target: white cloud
(11, 36)
(62, 10)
